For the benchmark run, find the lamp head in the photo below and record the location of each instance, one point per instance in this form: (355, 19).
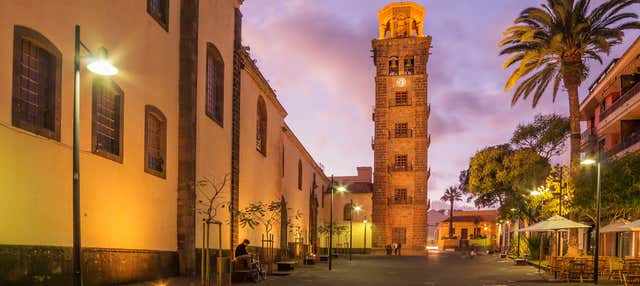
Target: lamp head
(588, 161)
(341, 189)
(99, 64)
(535, 193)
(357, 208)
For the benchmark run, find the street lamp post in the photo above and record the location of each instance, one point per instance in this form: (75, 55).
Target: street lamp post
(597, 240)
(340, 189)
(365, 235)
(101, 66)
(357, 209)
(331, 224)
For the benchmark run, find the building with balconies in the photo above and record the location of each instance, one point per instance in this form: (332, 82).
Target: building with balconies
(612, 108)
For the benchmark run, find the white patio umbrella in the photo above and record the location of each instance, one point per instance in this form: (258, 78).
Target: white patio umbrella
(619, 225)
(554, 223)
(632, 226)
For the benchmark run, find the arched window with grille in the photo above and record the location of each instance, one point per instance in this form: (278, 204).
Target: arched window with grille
(108, 117)
(36, 83)
(155, 142)
(346, 212)
(261, 127)
(214, 101)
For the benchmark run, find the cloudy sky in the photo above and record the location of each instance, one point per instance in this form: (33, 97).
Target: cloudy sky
(316, 55)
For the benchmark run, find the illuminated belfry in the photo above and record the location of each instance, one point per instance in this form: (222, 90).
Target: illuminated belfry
(401, 138)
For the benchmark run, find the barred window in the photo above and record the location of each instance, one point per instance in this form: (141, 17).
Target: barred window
(401, 130)
(36, 83)
(346, 212)
(402, 98)
(400, 196)
(401, 161)
(214, 103)
(159, 11)
(155, 144)
(261, 127)
(399, 235)
(108, 101)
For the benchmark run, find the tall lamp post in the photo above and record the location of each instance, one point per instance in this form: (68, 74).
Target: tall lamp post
(365, 235)
(332, 189)
(597, 240)
(100, 65)
(357, 209)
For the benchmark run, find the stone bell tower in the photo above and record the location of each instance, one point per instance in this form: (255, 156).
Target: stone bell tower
(401, 139)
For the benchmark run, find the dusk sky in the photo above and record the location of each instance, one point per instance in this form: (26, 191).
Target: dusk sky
(316, 55)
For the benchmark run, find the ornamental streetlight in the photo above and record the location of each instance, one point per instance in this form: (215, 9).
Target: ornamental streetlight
(597, 250)
(333, 189)
(100, 65)
(357, 209)
(365, 235)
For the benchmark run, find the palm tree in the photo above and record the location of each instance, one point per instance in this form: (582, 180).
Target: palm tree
(451, 195)
(552, 44)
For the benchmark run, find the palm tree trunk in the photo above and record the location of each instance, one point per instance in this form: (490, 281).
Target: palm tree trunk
(574, 124)
(572, 82)
(451, 220)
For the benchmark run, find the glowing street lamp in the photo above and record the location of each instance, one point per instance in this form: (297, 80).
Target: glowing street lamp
(357, 209)
(99, 65)
(365, 234)
(339, 189)
(591, 161)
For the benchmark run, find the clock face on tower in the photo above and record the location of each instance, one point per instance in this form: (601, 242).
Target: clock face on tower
(401, 82)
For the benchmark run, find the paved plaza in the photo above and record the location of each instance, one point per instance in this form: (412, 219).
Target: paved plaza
(434, 269)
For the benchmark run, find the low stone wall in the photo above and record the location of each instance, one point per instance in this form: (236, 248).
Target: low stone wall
(52, 265)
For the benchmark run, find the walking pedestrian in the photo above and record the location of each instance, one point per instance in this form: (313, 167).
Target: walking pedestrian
(398, 249)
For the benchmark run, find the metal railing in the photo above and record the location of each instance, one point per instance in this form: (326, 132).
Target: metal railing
(408, 133)
(400, 168)
(627, 142)
(633, 91)
(400, 201)
(396, 103)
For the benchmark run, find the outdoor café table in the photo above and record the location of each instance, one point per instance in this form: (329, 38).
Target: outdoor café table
(632, 275)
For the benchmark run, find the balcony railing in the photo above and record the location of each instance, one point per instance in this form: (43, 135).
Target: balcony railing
(396, 103)
(586, 134)
(400, 168)
(633, 91)
(407, 133)
(400, 201)
(627, 142)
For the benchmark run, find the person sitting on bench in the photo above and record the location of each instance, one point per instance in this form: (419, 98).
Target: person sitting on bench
(242, 254)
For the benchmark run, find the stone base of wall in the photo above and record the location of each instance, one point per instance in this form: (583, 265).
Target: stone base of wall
(52, 265)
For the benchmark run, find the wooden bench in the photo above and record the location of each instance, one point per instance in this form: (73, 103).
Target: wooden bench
(324, 257)
(522, 261)
(285, 265)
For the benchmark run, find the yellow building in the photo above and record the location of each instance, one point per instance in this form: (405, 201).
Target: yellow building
(187, 104)
(352, 211)
(470, 228)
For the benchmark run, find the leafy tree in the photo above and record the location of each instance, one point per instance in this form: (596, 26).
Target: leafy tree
(261, 213)
(551, 44)
(619, 193)
(546, 135)
(451, 195)
(499, 175)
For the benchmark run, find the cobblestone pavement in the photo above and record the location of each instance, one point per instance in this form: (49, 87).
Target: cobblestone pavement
(434, 269)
